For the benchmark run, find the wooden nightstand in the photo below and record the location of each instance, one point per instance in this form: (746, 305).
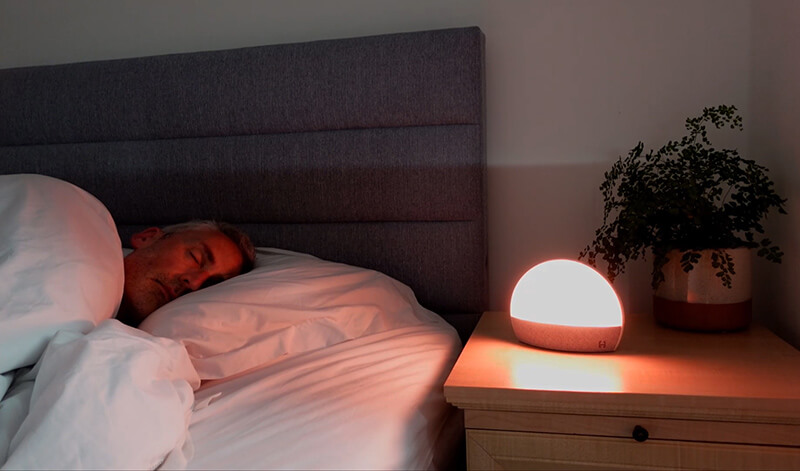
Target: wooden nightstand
(664, 400)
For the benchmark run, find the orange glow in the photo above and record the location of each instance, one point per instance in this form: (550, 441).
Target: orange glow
(564, 373)
(568, 293)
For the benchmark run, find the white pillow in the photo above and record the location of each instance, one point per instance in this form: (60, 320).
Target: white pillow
(289, 303)
(60, 264)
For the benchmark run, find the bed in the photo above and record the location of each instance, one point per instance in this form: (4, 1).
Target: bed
(364, 157)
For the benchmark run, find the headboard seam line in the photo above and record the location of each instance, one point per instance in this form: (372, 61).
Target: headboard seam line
(227, 136)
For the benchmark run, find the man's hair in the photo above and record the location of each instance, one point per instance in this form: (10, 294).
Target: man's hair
(239, 237)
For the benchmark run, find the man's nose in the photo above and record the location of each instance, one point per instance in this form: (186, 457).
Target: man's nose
(194, 280)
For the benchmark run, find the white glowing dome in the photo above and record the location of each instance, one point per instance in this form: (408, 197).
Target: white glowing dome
(567, 295)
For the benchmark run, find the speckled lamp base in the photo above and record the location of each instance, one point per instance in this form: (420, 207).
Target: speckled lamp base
(567, 338)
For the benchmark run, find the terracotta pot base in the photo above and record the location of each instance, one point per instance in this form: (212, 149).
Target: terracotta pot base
(702, 317)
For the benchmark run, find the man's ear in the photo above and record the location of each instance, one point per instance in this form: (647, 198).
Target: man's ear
(146, 237)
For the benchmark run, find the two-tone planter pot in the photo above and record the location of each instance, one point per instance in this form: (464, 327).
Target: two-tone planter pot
(698, 301)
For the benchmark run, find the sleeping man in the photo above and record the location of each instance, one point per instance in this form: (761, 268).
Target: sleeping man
(170, 262)
(64, 277)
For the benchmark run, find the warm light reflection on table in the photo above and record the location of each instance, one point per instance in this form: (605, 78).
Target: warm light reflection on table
(563, 372)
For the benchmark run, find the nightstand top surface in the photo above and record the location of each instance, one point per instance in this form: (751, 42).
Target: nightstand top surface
(748, 375)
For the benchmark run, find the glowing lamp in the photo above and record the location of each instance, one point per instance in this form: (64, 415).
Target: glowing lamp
(566, 305)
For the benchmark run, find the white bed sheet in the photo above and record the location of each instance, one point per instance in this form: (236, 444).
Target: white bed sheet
(371, 403)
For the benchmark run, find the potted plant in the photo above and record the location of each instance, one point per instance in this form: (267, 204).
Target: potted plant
(699, 211)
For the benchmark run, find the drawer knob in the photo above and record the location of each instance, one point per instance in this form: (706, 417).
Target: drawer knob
(640, 433)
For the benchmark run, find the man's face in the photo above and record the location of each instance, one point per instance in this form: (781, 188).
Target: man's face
(165, 266)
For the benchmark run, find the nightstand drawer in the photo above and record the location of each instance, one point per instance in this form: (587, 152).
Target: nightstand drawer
(623, 427)
(490, 449)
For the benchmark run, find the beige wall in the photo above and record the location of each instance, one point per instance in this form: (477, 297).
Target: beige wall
(775, 104)
(571, 84)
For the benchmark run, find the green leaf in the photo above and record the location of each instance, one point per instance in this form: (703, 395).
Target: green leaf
(686, 195)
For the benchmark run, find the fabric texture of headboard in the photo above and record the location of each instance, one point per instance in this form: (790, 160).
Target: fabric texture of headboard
(368, 151)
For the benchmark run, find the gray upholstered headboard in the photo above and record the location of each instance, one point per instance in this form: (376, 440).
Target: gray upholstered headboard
(368, 151)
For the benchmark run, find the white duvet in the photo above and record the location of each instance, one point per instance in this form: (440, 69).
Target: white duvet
(119, 398)
(116, 398)
(371, 403)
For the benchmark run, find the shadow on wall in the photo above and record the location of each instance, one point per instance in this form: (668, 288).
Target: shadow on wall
(544, 212)
(775, 293)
